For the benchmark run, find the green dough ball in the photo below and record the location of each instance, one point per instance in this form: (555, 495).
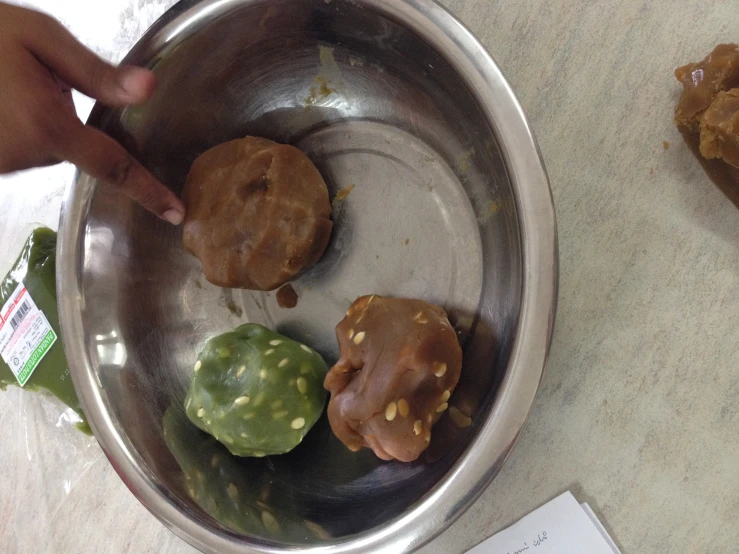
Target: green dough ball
(256, 391)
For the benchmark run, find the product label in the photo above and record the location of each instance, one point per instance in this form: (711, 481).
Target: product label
(25, 334)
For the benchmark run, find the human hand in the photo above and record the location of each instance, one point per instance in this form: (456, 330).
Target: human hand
(39, 62)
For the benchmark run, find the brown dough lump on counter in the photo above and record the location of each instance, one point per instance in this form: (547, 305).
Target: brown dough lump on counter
(400, 361)
(720, 128)
(709, 106)
(257, 213)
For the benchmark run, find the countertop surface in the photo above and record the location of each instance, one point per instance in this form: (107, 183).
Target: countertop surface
(639, 407)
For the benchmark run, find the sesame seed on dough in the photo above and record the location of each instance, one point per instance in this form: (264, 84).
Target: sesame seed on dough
(359, 337)
(391, 411)
(241, 400)
(403, 407)
(439, 369)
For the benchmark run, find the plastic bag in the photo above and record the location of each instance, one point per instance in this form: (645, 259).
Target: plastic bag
(46, 454)
(30, 342)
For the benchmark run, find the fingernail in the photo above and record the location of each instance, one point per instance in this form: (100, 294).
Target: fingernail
(134, 82)
(173, 216)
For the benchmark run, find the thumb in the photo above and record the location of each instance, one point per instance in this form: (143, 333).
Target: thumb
(81, 69)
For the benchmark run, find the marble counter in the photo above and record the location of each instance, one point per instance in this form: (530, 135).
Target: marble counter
(639, 408)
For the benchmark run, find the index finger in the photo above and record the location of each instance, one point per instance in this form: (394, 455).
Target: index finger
(98, 155)
(56, 48)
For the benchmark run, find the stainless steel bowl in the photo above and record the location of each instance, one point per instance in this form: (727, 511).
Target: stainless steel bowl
(450, 204)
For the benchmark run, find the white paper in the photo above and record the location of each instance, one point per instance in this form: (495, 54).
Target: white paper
(560, 526)
(594, 518)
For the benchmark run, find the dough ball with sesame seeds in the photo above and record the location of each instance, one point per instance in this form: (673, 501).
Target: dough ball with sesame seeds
(256, 391)
(400, 361)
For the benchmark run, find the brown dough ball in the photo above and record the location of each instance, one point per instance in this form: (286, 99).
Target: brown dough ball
(702, 81)
(400, 361)
(719, 136)
(257, 213)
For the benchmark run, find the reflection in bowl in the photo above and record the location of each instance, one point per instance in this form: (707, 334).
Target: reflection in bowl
(235, 492)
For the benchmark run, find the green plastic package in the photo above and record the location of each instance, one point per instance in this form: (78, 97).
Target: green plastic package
(256, 391)
(31, 340)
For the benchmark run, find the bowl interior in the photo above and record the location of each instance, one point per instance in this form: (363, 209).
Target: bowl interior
(431, 215)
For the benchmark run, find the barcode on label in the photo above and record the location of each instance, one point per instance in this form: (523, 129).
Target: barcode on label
(17, 319)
